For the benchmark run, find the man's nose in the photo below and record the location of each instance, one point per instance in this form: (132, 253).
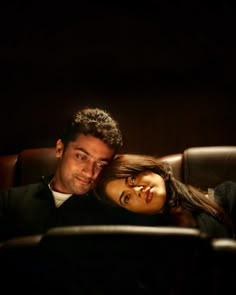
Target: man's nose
(89, 168)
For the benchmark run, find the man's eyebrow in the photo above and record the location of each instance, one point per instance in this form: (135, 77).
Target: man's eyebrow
(88, 154)
(121, 195)
(82, 150)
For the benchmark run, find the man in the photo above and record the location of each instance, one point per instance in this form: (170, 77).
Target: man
(88, 143)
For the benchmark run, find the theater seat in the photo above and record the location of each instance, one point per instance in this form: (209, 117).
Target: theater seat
(115, 259)
(27, 166)
(204, 167)
(107, 259)
(223, 266)
(34, 163)
(21, 267)
(126, 259)
(7, 170)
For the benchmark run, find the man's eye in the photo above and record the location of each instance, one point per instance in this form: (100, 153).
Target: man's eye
(82, 157)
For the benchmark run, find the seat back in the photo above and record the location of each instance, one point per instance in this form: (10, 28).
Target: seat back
(7, 170)
(204, 167)
(223, 266)
(27, 166)
(34, 163)
(116, 259)
(21, 267)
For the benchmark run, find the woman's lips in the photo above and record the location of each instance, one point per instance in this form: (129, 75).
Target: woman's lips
(148, 195)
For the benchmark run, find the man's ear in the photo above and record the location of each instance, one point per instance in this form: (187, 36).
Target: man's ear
(59, 148)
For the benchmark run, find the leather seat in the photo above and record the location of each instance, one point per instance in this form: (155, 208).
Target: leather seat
(223, 266)
(204, 167)
(116, 259)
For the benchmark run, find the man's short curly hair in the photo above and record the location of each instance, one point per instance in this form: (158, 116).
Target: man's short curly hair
(96, 122)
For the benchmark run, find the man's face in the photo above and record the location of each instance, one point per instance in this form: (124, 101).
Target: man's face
(80, 164)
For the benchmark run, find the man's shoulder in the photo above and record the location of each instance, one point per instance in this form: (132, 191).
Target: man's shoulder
(23, 189)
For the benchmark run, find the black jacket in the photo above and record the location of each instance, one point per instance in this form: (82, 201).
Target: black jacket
(30, 209)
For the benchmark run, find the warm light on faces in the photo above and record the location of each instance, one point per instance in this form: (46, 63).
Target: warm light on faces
(145, 193)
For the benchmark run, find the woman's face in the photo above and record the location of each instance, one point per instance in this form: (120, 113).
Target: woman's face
(145, 193)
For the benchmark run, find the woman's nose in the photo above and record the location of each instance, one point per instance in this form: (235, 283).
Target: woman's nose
(138, 189)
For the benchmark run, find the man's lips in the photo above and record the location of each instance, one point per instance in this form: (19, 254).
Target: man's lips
(84, 180)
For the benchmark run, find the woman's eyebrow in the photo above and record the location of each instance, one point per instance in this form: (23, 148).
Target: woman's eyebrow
(121, 195)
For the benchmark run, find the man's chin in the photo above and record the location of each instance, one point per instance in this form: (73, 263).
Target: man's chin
(83, 191)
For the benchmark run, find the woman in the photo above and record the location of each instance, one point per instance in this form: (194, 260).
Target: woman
(145, 185)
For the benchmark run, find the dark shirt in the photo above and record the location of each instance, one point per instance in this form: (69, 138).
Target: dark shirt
(30, 209)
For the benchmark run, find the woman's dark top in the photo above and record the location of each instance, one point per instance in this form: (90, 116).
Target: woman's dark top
(225, 196)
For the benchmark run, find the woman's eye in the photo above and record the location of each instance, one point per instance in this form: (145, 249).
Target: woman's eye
(132, 179)
(126, 199)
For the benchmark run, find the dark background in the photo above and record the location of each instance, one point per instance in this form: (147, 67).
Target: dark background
(165, 71)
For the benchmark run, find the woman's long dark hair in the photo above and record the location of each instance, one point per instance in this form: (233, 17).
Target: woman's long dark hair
(178, 194)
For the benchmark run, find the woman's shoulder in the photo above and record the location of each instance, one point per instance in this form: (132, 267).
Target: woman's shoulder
(226, 187)
(225, 195)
